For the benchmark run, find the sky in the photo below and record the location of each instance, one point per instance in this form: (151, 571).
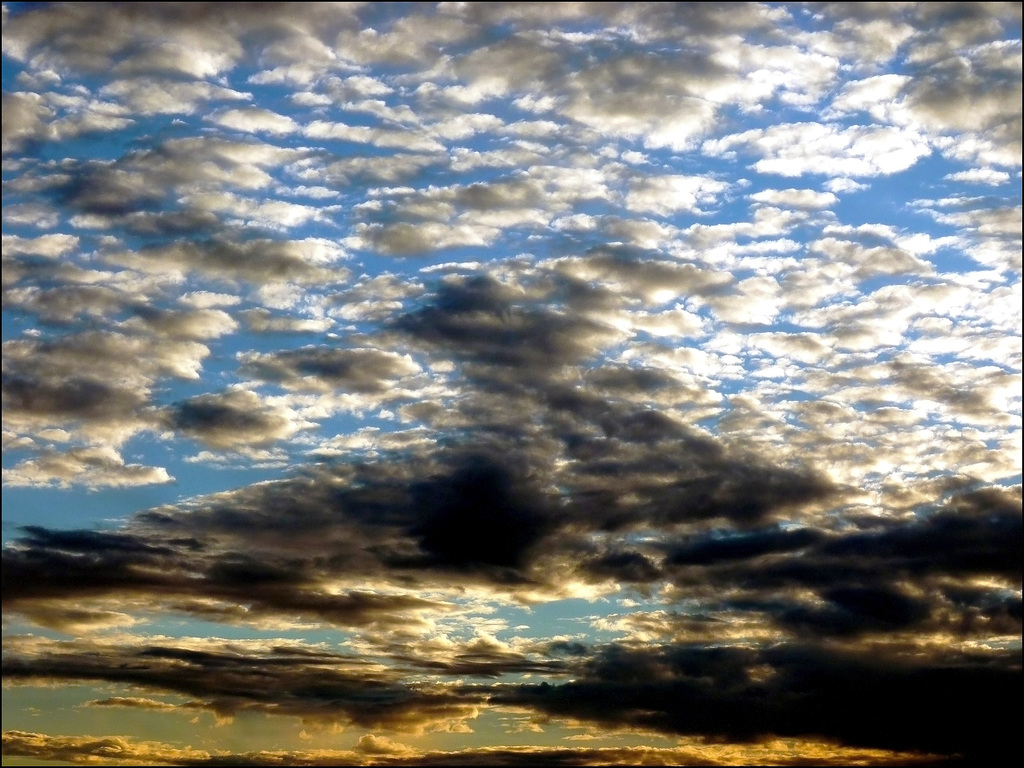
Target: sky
(511, 383)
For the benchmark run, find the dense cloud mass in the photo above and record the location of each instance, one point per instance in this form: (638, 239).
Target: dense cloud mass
(511, 383)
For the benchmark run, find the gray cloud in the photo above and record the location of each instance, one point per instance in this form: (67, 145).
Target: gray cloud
(849, 697)
(476, 319)
(233, 419)
(315, 686)
(325, 369)
(67, 380)
(256, 261)
(24, 117)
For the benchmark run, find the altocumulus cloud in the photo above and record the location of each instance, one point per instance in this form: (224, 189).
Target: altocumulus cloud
(511, 384)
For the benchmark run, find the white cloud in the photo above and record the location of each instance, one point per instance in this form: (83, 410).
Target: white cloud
(666, 195)
(979, 176)
(879, 96)
(51, 246)
(94, 467)
(757, 300)
(796, 149)
(160, 97)
(795, 198)
(255, 120)
(841, 185)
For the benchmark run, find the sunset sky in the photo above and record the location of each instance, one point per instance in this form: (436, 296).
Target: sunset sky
(511, 383)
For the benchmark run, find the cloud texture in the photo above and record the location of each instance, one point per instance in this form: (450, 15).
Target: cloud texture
(511, 383)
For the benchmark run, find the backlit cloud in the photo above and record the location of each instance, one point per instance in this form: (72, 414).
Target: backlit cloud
(511, 383)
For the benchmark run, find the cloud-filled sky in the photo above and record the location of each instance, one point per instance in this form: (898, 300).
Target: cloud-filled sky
(511, 383)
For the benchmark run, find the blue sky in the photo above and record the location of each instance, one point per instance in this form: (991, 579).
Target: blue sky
(510, 383)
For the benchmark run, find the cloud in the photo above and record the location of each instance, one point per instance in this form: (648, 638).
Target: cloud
(485, 339)
(371, 750)
(797, 149)
(723, 692)
(264, 321)
(234, 419)
(869, 262)
(980, 176)
(665, 195)
(411, 519)
(197, 324)
(255, 120)
(198, 44)
(795, 198)
(971, 93)
(65, 381)
(133, 702)
(407, 239)
(157, 96)
(325, 369)
(87, 749)
(744, 546)
(51, 246)
(318, 687)
(93, 467)
(254, 261)
(23, 120)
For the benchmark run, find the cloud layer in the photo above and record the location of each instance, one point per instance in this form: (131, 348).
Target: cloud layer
(447, 320)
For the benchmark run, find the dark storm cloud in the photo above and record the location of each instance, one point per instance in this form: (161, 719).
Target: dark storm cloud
(469, 512)
(192, 574)
(711, 550)
(624, 566)
(968, 534)
(317, 687)
(182, 575)
(896, 576)
(737, 693)
(93, 562)
(682, 476)
(858, 610)
(452, 532)
(493, 514)
(744, 693)
(481, 658)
